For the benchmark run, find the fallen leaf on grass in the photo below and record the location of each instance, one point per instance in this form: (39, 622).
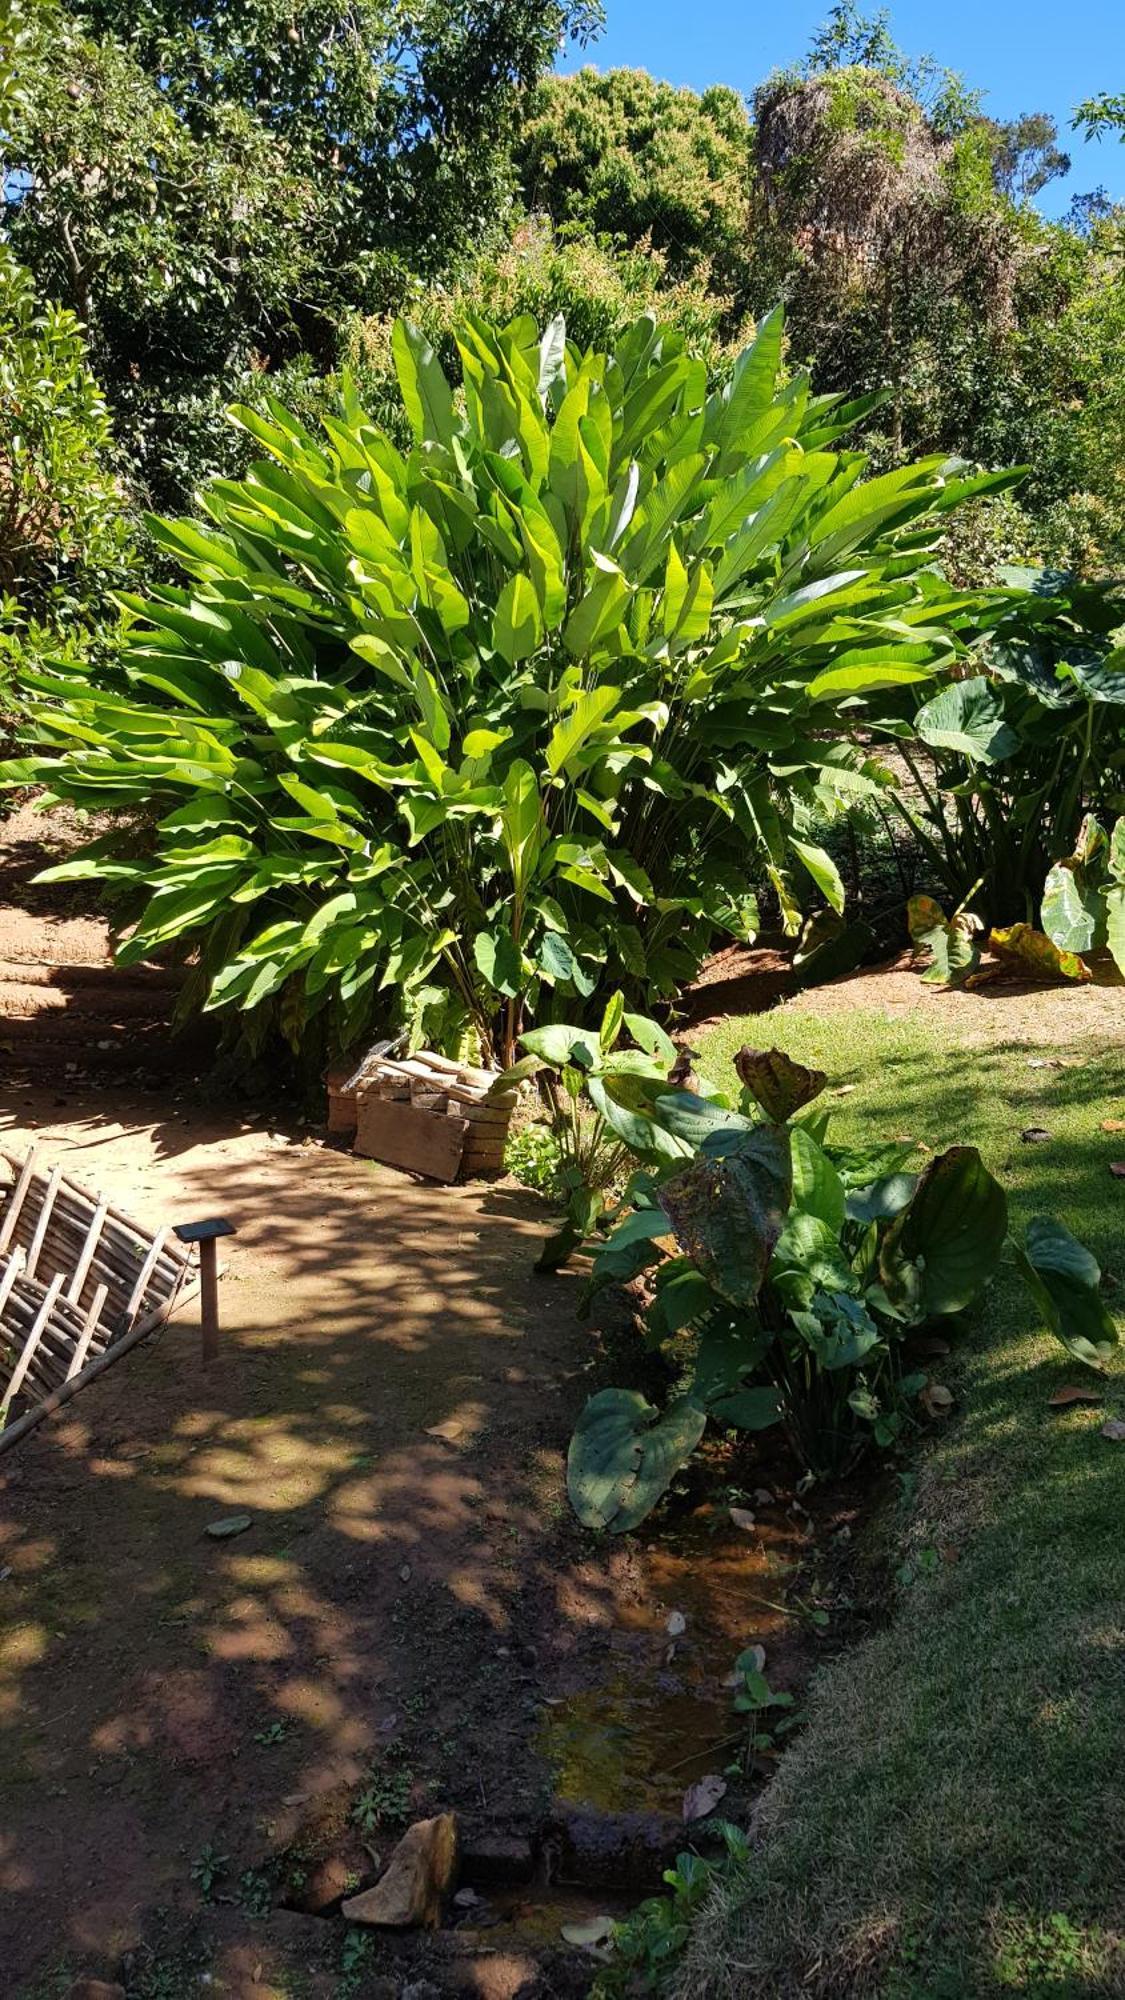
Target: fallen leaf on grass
(701, 1798)
(936, 1400)
(594, 1931)
(1073, 1393)
(449, 1431)
(675, 1624)
(1113, 1124)
(742, 1518)
(1114, 1430)
(1117, 1169)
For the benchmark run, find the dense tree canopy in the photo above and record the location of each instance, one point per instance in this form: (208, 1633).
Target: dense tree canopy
(625, 156)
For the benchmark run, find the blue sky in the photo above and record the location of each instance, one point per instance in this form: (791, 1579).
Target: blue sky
(1027, 55)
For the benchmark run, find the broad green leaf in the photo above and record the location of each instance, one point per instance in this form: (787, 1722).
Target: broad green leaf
(624, 1454)
(559, 1044)
(569, 735)
(946, 1244)
(968, 717)
(817, 1187)
(426, 394)
(650, 1037)
(823, 870)
(749, 1409)
(612, 1021)
(518, 626)
(498, 961)
(1063, 1278)
(1073, 911)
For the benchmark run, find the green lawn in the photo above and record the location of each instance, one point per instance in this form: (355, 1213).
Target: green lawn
(951, 1823)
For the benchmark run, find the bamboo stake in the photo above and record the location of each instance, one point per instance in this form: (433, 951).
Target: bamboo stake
(8, 1278)
(141, 1286)
(30, 1345)
(43, 1220)
(15, 1200)
(79, 1279)
(92, 1317)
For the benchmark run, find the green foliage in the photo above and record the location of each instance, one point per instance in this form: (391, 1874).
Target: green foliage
(798, 1270)
(647, 1946)
(462, 734)
(533, 1156)
(213, 192)
(620, 154)
(536, 272)
(62, 535)
(1098, 115)
(1084, 896)
(1008, 763)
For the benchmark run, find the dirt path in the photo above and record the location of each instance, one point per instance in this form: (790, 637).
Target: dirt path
(412, 1616)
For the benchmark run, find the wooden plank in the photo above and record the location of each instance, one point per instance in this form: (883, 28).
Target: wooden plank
(14, 1202)
(31, 1343)
(44, 1218)
(74, 1290)
(420, 1142)
(78, 1358)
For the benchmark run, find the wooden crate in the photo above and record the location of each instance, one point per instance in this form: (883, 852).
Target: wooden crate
(431, 1116)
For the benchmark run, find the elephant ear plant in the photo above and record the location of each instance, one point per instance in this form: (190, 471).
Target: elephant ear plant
(463, 738)
(784, 1276)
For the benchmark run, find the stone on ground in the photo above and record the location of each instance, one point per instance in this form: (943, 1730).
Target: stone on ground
(420, 1874)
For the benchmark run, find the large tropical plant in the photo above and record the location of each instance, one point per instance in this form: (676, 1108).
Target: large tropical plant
(528, 711)
(784, 1275)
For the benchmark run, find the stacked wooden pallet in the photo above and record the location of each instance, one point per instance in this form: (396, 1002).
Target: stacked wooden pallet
(76, 1278)
(423, 1113)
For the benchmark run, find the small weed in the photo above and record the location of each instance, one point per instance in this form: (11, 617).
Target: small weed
(274, 1732)
(646, 1946)
(532, 1156)
(255, 1892)
(755, 1699)
(355, 1955)
(207, 1869)
(386, 1796)
(926, 1563)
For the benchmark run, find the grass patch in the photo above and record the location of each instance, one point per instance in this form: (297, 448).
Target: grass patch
(950, 1823)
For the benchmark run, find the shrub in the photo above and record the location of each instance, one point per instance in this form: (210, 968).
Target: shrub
(464, 734)
(61, 528)
(785, 1275)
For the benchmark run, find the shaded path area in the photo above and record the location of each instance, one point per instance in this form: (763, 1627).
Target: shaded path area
(388, 1409)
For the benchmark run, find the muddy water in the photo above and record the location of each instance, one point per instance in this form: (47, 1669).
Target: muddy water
(658, 1715)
